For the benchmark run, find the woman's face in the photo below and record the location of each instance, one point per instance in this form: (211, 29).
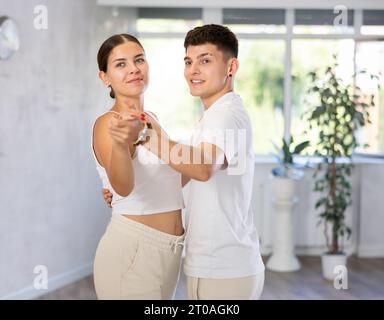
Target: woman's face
(127, 70)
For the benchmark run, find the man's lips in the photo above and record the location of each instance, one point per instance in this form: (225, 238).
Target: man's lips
(197, 81)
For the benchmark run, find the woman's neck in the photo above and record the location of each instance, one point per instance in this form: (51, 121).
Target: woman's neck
(129, 103)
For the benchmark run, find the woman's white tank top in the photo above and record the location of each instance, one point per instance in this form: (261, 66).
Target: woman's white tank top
(157, 186)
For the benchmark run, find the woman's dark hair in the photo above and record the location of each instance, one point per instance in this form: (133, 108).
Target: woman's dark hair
(106, 48)
(224, 39)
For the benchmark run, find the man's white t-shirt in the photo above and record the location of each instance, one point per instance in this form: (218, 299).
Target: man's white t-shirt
(222, 240)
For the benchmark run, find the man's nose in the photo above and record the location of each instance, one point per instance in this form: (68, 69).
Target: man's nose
(194, 69)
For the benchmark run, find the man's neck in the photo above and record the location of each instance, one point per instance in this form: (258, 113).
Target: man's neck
(209, 101)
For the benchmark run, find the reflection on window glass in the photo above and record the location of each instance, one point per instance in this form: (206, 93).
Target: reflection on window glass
(370, 58)
(168, 19)
(166, 25)
(168, 94)
(323, 22)
(257, 28)
(310, 55)
(373, 22)
(255, 20)
(260, 83)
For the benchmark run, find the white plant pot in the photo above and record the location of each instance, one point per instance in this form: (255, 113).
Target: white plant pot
(283, 257)
(283, 188)
(329, 262)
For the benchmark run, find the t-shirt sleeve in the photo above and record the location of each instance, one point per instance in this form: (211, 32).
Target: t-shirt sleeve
(221, 129)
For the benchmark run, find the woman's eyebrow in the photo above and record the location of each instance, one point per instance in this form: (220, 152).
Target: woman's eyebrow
(119, 59)
(123, 59)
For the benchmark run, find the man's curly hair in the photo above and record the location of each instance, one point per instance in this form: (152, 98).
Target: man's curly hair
(224, 39)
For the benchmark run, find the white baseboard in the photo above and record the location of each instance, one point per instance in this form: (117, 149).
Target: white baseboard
(306, 251)
(370, 251)
(54, 283)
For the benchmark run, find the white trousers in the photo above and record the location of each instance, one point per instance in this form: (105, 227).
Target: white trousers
(134, 261)
(247, 288)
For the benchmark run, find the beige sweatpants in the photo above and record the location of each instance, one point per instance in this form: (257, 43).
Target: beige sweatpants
(134, 261)
(247, 288)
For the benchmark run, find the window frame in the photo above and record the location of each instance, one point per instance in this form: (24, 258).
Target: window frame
(215, 15)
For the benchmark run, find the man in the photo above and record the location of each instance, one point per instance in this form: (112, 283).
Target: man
(222, 248)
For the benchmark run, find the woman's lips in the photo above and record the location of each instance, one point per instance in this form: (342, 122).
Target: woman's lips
(135, 81)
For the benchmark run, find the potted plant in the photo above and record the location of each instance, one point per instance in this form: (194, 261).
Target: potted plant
(340, 113)
(287, 171)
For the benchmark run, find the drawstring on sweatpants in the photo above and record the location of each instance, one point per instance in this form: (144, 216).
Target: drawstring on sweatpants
(178, 242)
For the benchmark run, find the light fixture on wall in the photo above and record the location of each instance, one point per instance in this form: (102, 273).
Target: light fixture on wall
(9, 37)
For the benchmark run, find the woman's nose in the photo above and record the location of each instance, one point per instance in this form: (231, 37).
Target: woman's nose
(133, 69)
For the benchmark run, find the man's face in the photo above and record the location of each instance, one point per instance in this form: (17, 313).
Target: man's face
(206, 71)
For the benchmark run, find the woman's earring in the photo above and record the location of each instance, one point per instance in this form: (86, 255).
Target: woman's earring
(230, 75)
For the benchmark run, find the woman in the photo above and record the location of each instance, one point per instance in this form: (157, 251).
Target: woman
(139, 255)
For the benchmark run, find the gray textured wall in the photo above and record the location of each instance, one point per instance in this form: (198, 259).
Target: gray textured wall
(51, 212)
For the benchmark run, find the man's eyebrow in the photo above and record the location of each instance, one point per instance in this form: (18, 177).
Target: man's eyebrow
(204, 54)
(200, 56)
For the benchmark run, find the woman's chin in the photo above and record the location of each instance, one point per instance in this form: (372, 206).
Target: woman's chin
(133, 93)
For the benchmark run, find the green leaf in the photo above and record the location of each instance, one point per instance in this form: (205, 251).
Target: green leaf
(318, 112)
(300, 147)
(286, 152)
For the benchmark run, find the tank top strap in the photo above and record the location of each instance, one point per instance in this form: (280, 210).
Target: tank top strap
(151, 114)
(115, 112)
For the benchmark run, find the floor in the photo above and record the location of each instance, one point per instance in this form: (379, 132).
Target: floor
(365, 281)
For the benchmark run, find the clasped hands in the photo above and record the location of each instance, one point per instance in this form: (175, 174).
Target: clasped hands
(125, 127)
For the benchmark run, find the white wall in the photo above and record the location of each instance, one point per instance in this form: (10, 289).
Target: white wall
(52, 212)
(371, 213)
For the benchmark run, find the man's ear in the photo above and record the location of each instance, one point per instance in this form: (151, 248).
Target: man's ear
(233, 66)
(103, 76)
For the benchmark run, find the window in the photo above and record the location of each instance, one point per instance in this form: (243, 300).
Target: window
(321, 22)
(260, 84)
(261, 75)
(159, 20)
(161, 31)
(255, 20)
(309, 55)
(373, 22)
(168, 94)
(272, 43)
(370, 58)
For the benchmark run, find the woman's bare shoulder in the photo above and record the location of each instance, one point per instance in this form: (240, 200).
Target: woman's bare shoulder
(103, 120)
